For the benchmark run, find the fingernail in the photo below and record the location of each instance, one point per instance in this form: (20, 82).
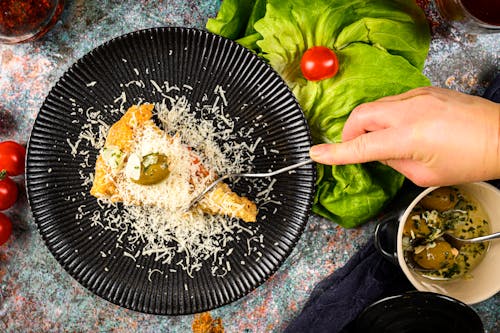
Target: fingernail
(318, 150)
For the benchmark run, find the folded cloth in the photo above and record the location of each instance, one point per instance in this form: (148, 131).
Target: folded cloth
(337, 300)
(493, 91)
(367, 277)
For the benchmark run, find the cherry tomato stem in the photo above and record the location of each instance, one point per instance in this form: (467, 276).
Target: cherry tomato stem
(12, 157)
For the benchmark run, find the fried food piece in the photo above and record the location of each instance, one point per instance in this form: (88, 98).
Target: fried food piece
(223, 201)
(120, 136)
(220, 201)
(203, 323)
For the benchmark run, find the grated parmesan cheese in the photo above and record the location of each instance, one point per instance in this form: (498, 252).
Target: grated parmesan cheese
(185, 240)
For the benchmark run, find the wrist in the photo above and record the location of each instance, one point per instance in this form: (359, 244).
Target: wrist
(496, 170)
(493, 171)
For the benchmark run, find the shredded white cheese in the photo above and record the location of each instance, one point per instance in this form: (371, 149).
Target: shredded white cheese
(186, 240)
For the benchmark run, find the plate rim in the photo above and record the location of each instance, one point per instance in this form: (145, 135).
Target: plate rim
(109, 43)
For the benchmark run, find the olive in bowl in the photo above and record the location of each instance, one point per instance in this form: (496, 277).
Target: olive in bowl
(411, 236)
(445, 210)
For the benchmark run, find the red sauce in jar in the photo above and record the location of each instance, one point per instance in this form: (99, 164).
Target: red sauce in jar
(25, 20)
(487, 11)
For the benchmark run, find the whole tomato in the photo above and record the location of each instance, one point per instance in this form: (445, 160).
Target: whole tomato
(12, 157)
(319, 63)
(5, 228)
(8, 191)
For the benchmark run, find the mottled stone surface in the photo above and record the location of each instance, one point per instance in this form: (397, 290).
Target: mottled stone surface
(37, 295)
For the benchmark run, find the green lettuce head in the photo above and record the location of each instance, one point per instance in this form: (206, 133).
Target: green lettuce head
(381, 47)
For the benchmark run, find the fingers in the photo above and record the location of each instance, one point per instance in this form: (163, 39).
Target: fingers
(375, 116)
(412, 93)
(378, 131)
(391, 111)
(338, 154)
(388, 144)
(365, 118)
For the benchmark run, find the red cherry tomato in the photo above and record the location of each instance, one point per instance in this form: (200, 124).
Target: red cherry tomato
(12, 157)
(319, 63)
(5, 228)
(8, 191)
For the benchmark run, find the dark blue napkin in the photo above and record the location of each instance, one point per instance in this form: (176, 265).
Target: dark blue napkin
(367, 277)
(337, 300)
(493, 91)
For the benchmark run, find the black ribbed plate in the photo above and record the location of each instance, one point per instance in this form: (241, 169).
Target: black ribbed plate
(184, 57)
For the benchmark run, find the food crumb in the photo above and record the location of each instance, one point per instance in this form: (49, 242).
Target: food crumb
(204, 323)
(449, 81)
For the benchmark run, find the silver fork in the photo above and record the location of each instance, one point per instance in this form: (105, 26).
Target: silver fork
(247, 175)
(459, 242)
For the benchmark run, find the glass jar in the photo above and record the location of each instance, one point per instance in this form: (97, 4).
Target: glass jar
(474, 16)
(27, 20)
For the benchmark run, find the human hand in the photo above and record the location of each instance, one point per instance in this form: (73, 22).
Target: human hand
(433, 136)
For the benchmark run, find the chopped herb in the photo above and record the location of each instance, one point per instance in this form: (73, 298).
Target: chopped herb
(452, 271)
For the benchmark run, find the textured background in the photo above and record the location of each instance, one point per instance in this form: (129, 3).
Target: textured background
(37, 295)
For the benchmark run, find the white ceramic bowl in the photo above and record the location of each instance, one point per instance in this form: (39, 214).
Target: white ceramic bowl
(485, 281)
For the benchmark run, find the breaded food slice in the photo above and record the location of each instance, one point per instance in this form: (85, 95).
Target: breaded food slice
(120, 136)
(220, 201)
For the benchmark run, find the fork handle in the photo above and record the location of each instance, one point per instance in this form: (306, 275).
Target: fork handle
(272, 173)
(482, 238)
(251, 175)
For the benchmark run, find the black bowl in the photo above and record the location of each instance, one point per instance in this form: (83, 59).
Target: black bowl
(418, 312)
(256, 96)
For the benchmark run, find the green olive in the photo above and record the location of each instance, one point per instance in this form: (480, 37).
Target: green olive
(416, 226)
(154, 169)
(441, 199)
(437, 257)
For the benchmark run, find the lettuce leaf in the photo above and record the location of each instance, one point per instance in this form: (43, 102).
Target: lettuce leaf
(381, 46)
(236, 19)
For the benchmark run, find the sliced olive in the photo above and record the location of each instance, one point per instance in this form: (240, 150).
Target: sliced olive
(438, 255)
(154, 169)
(441, 199)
